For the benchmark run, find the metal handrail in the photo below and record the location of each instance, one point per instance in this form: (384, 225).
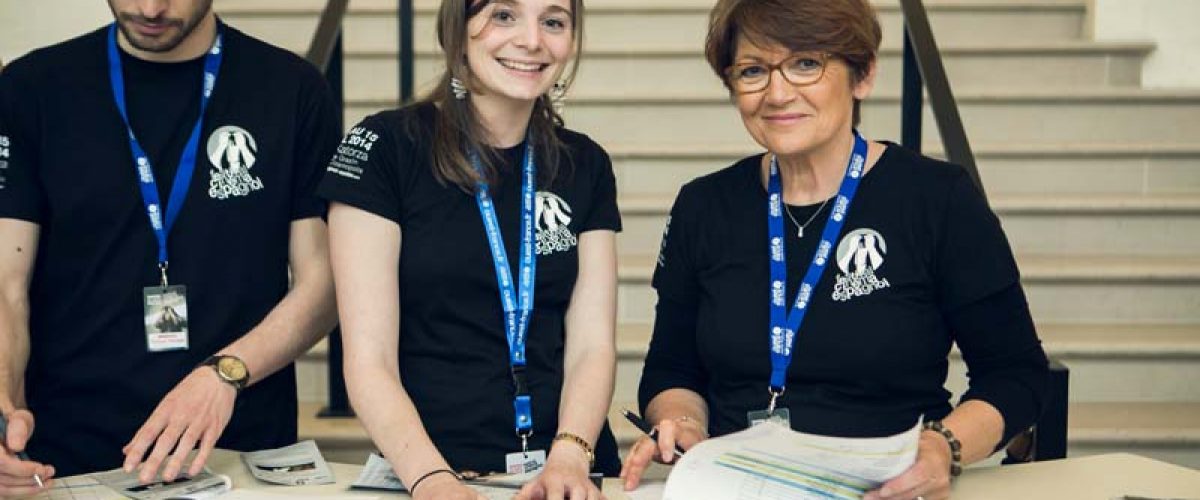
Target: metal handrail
(326, 53)
(1046, 440)
(921, 48)
(329, 29)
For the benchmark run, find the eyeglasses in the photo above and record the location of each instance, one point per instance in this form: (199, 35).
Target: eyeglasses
(801, 69)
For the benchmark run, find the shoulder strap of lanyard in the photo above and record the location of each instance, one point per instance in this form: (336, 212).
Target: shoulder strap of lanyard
(187, 163)
(784, 325)
(518, 304)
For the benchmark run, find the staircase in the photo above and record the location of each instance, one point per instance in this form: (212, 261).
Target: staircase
(1096, 180)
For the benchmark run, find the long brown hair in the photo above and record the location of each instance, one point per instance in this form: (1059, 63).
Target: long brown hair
(458, 128)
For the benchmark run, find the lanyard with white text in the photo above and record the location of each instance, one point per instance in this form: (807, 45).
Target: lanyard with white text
(517, 305)
(187, 163)
(785, 325)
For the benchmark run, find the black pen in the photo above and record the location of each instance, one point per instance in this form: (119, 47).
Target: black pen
(637, 421)
(20, 455)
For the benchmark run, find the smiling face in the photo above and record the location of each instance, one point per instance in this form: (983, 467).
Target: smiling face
(789, 119)
(517, 49)
(158, 26)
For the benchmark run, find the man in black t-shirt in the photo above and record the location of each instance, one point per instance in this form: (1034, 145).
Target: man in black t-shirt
(82, 268)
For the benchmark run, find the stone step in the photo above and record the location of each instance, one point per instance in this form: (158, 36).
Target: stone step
(1164, 431)
(371, 25)
(651, 70)
(1109, 362)
(1006, 168)
(1087, 225)
(1088, 424)
(1064, 341)
(1060, 289)
(1029, 116)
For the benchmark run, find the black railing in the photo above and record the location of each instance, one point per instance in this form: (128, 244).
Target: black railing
(921, 51)
(326, 53)
(405, 22)
(923, 67)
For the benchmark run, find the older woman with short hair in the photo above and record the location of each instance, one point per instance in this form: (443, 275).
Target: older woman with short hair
(823, 283)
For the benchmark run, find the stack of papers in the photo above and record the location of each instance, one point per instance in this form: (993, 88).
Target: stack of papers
(772, 462)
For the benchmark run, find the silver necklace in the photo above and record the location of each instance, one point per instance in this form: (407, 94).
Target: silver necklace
(800, 227)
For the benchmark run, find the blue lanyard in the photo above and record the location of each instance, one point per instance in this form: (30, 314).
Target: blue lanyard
(187, 163)
(517, 305)
(785, 325)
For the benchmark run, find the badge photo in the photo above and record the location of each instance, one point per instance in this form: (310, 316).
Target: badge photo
(165, 318)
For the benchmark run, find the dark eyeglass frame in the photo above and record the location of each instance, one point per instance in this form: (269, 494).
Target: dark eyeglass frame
(823, 57)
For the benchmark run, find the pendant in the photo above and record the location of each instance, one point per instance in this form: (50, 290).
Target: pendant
(799, 231)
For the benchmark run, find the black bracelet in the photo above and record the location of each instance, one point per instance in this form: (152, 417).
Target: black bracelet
(955, 445)
(413, 489)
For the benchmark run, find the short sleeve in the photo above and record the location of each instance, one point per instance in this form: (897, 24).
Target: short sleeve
(21, 194)
(363, 171)
(675, 271)
(974, 259)
(604, 213)
(317, 137)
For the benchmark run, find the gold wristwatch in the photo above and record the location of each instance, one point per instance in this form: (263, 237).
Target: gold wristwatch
(231, 370)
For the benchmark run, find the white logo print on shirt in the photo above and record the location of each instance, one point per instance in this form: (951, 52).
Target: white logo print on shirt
(5, 144)
(859, 255)
(232, 150)
(553, 217)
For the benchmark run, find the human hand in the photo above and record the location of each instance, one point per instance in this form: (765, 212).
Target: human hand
(927, 479)
(565, 477)
(16, 475)
(444, 487)
(195, 411)
(684, 432)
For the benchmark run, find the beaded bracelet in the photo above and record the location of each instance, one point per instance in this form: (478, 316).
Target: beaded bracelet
(955, 445)
(413, 489)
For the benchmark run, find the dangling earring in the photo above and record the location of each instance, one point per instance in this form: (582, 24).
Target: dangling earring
(558, 96)
(457, 87)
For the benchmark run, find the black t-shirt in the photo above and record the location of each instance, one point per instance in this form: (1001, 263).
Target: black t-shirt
(270, 127)
(921, 263)
(453, 350)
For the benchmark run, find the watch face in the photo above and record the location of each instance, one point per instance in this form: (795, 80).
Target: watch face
(231, 368)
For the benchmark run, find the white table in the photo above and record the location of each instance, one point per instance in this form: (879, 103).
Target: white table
(1099, 477)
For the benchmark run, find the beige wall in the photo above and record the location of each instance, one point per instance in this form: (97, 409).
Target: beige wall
(1171, 24)
(28, 24)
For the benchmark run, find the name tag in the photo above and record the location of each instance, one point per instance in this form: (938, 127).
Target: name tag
(523, 462)
(166, 318)
(780, 415)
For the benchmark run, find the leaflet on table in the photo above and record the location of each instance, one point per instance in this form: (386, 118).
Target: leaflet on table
(772, 462)
(295, 465)
(202, 485)
(240, 494)
(377, 474)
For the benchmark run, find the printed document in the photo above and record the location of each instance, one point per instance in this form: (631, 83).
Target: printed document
(294, 465)
(377, 474)
(202, 485)
(772, 462)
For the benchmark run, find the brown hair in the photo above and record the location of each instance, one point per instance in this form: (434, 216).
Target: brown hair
(458, 128)
(846, 29)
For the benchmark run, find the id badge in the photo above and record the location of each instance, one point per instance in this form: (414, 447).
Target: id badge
(527, 461)
(780, 415)
(166, 318)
